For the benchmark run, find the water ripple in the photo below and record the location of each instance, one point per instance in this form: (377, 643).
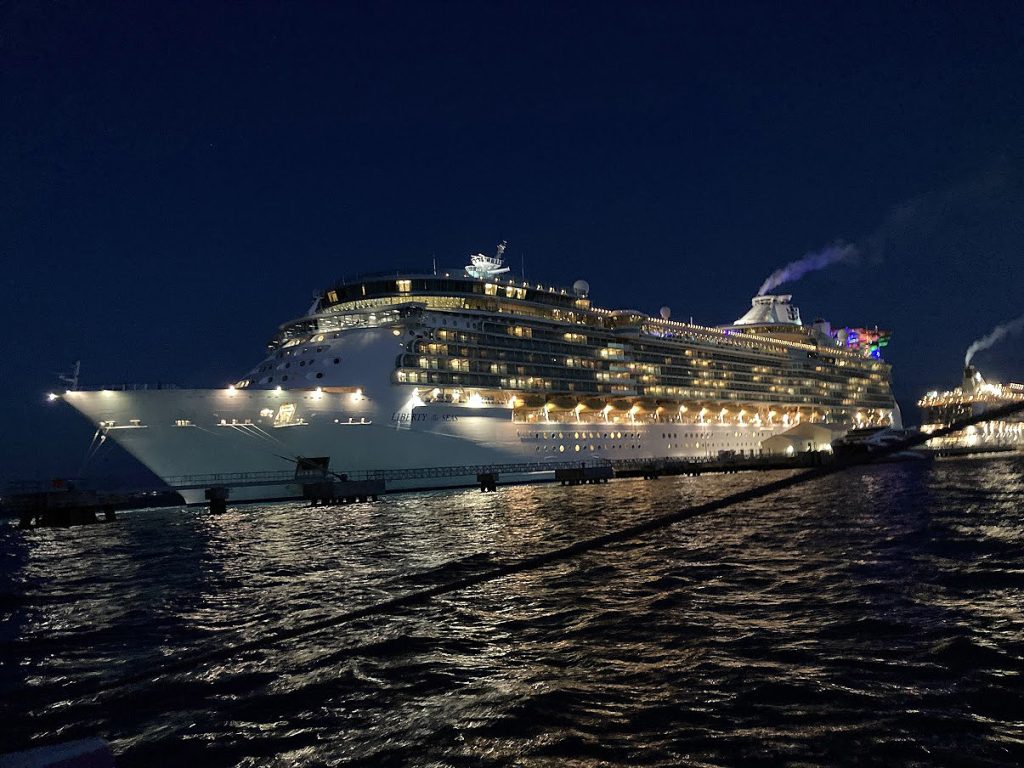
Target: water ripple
(873, 618)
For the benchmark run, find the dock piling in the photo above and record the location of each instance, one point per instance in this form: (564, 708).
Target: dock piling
(218, 498)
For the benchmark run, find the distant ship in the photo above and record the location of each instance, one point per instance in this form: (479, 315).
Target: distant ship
(973, 397)
(448, 371)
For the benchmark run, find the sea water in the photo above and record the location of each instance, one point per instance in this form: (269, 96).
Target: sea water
(871, 617)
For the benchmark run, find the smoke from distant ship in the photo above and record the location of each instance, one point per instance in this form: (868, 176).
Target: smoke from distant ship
(995, 335)
(839, 253)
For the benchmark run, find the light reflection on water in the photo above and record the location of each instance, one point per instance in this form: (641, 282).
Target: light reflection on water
(872, 616)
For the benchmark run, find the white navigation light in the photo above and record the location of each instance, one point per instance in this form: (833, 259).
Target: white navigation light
(51, 397)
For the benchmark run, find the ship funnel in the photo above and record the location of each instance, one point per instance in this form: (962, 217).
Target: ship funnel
(972, 380)
(771, 310)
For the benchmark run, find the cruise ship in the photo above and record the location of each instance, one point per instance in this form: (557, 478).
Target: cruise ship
(471, 367)
(973, 397)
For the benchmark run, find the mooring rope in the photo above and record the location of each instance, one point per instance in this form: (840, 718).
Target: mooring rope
(533, 562)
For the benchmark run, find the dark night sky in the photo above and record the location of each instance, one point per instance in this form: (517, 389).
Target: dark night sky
(178, 179)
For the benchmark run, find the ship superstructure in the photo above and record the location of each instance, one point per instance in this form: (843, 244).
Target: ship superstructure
(973, 397)
(469, 366)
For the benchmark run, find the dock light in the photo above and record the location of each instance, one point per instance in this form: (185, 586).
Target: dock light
(277, 388)
(232, 391)
(319, 393)
(358, 395)
(51, 396)
(475, 401)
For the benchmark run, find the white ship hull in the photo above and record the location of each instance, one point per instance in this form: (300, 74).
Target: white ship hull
(186, 435)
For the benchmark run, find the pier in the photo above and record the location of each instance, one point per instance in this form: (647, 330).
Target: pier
(321, 487)
(333, 492)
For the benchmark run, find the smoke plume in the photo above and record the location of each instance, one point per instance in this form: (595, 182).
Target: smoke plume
(834, 254)
(995, 335)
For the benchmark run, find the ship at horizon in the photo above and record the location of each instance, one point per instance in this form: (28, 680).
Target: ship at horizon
(469, 366)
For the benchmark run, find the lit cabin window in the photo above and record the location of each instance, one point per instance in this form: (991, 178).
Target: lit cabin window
(332, 296)
(404, 286)
(490, 289)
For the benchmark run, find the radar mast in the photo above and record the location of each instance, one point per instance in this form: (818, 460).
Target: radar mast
(485, 267)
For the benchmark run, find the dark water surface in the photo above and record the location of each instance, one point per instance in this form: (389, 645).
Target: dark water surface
(874, 617)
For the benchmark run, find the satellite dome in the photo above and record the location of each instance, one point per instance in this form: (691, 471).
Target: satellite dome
(665, 313)
(581, 287)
